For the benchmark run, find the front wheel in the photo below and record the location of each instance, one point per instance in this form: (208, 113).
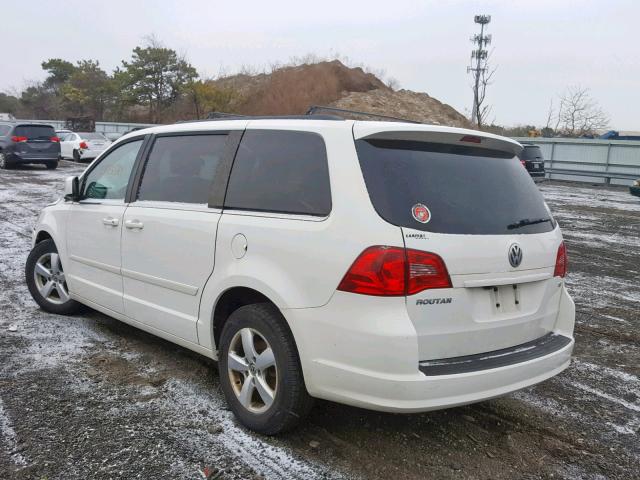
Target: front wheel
(46, 280)
(260, 370)
(52, 165)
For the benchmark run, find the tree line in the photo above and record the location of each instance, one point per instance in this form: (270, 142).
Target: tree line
(155, 85)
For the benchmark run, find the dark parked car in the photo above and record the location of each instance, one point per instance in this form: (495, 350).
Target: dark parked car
(532, 159)
(635, 188)
(22, 143)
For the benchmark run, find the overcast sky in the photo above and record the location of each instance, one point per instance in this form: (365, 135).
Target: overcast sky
(540, 46)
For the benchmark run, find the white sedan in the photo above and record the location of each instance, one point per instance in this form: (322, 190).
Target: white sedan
(82, 145)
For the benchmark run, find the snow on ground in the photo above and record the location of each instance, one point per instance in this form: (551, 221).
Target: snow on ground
(598, 197)
(8, 437)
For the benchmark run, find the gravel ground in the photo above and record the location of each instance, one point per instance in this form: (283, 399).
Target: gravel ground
(90, 397)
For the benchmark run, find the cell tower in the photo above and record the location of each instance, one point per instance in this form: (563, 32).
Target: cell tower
(479, 60)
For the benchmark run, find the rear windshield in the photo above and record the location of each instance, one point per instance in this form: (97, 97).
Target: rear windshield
(531, 153)
(92, 136)
(35, 132)
(466, 190)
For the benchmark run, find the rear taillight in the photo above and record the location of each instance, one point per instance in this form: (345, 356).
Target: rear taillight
(84, 145)
(561, 262)
(523, 163)
(55, 139)
(426, 270)
(394, 271)
(377, 271)
(19, 139)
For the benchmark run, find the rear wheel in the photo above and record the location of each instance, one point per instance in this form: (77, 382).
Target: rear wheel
(76, 156)
(5, 164)
(46, 280)
(260, 370)
(52, 165)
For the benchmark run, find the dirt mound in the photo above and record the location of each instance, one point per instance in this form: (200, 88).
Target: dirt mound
(291, 90)
(404, 104)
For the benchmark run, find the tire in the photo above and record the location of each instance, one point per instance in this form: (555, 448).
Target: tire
(56, 301)
(76, 156)
(5, 164)
(291, 402)
(52, 165)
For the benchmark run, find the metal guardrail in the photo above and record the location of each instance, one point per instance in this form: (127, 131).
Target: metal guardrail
(608, 161)
(592, 173)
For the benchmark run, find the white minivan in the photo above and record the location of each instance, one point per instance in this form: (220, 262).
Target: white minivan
(387, 265)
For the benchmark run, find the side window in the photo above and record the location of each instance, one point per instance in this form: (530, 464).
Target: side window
(182, 168)
(109, 179)
(280, 171)
(4, 129)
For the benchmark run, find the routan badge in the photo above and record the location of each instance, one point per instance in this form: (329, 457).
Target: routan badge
(421, 213)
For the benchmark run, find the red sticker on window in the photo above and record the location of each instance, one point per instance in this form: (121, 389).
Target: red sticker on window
(421, 213)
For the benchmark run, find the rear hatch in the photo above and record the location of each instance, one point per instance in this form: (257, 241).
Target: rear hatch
(36, 142)
(466, 198)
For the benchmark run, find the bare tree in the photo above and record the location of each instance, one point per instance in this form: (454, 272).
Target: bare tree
(483, 111)
(579, 114)
(393, 83)
(550, 115)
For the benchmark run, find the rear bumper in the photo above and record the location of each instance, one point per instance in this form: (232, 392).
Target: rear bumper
(374, 362)
(16, 158)
(419, 393)
(537, 174)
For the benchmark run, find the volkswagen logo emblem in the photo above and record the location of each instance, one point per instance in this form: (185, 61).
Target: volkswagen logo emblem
(515, 255)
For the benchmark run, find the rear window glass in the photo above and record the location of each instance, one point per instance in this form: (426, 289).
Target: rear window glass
(35, 132)
(92, 136)
(531, 153)
(182, 168)
(467, 190)
(282, 172)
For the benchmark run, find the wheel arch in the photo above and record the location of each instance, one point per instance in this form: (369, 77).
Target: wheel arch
(41, 236)
(229, 301)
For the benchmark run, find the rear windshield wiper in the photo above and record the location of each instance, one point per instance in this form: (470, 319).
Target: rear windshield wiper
(525, 221)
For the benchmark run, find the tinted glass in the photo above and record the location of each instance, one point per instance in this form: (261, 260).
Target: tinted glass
(280, 171)
(92, 136)
(531, 153)
(4, 130)
(109, 179)
(468, 190)
(182, 168)
(35, 132)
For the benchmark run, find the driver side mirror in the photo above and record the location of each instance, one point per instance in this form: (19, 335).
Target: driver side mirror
(71, 189)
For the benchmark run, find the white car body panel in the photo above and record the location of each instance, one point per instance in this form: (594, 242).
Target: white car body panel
(94, 146)
(167, 278)
(162, 276)
(94, 258)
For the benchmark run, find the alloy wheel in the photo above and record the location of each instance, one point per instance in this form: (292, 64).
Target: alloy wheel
(253, 371)
(50, 279)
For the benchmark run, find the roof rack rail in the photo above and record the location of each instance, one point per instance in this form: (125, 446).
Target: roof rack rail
(315, 108)
(214, 116)
(234, 116)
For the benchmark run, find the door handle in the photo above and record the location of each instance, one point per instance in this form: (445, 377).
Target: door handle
(131, 224)
(112, 222)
